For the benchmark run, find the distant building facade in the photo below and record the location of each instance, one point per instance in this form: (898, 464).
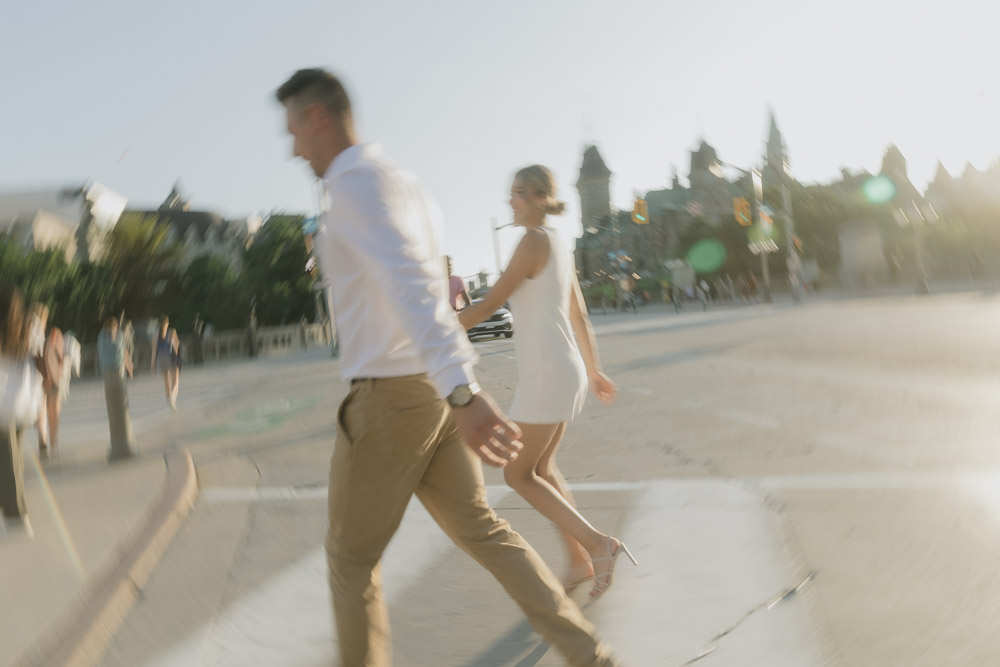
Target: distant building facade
(204, 232)
(73, 219)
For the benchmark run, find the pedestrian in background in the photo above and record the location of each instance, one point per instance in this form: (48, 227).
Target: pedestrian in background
(177, 356)
(38, 322)
(72, 357)
(163, 360)
(20, 398)
(457, 293)
(52, 376)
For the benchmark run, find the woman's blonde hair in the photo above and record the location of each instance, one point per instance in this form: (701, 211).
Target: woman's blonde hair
(540, 179)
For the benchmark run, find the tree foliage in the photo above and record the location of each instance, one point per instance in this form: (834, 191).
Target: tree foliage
(141, 274)
(276, 271)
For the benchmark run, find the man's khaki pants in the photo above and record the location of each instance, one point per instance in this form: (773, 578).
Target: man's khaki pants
(395, 438)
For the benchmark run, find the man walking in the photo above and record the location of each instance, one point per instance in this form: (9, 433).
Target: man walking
(415, 420)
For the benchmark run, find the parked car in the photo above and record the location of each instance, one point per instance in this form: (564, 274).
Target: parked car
(501, 323)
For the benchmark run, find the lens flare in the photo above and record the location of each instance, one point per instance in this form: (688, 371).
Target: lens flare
(707, 256)
(878, 189)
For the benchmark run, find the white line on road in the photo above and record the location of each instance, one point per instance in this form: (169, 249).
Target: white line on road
(243, 494)
(848, 443)
(750, 419)
(901, 480)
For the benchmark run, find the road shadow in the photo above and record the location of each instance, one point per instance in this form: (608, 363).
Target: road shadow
(518, 639)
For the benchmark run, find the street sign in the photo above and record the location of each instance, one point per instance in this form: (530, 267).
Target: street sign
(741, 209)
(766, 220)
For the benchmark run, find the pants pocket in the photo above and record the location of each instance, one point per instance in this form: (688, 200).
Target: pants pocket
(347, 424)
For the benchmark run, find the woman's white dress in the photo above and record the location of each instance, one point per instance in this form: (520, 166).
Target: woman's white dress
(552, 379)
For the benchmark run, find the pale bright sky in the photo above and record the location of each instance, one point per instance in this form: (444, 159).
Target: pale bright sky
(138, 95)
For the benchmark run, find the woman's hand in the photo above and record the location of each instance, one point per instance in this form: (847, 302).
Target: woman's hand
(603, 388)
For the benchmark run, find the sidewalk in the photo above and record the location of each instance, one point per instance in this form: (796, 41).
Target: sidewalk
(85, 512)
(79, 519)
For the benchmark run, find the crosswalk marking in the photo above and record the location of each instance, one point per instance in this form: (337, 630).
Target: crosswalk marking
(709, 551)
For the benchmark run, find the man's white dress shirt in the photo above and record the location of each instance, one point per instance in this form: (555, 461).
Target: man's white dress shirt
(380, 251)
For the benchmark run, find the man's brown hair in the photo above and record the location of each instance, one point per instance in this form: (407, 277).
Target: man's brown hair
(309, 86)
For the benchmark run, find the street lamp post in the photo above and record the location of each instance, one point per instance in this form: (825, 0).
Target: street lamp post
(496, 241)
(916, 217)
(766, 247)
(616, 267)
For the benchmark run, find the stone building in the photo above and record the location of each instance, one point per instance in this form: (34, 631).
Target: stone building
(204, 232)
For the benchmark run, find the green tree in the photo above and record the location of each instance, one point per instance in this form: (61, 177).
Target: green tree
(83, 301)
(276, 271)
(212, 289)
(141, 267)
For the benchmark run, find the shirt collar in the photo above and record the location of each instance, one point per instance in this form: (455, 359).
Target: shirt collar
(349, 157)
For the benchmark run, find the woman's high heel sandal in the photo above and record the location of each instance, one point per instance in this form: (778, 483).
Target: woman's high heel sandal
(602, 582)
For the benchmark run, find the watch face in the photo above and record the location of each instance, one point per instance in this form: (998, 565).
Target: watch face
(460, 397)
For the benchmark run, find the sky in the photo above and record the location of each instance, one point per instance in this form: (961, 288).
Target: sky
(138, 96)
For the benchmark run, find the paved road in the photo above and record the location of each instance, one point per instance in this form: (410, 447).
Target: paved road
(847, 447)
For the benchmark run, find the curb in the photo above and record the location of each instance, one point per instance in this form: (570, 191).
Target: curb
(82, 633)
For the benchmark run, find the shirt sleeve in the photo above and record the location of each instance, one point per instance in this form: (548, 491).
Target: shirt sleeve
(384, 217)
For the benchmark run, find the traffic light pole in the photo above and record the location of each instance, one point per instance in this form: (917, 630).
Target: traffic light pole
(765, 269)
(794, 261)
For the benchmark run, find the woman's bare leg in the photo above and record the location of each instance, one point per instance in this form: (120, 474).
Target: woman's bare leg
(521, 475)
(43, 426)
(580, 568)
(176, 385)
(54, 406)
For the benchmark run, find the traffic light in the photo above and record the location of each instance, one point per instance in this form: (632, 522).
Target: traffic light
(741, 209)
(640, 212)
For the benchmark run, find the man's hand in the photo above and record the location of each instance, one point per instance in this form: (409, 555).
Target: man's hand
(492, 436)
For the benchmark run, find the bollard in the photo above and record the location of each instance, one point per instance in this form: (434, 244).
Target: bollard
(119, 418)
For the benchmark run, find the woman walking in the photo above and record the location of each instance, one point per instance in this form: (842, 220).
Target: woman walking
(556, 362)
(35, 328)
(20, 401)
(164, 361)
(53, 360)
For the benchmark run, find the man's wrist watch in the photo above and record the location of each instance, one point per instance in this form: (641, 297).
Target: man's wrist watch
(463, 394)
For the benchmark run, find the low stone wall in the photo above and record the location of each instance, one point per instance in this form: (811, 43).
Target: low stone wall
(222, 346)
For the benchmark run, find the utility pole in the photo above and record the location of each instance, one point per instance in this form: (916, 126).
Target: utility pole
(793, 259)
(496, 243)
